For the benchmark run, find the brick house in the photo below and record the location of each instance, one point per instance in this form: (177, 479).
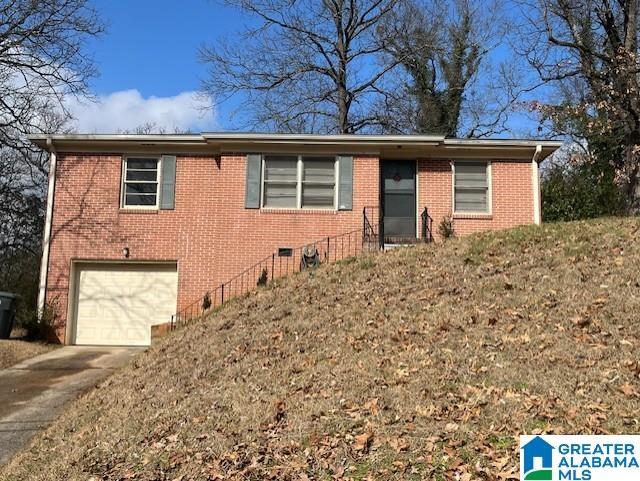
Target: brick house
(139, 226)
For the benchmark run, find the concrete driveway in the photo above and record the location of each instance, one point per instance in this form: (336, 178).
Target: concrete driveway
(34, 392)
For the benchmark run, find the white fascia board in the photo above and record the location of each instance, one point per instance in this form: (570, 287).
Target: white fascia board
(234, 140)
(118, 137)
(322, 139)
(502, 143)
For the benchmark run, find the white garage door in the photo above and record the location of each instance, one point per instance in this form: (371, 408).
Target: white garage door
(118, 304)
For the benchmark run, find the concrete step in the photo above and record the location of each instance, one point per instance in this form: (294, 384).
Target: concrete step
(388, 247)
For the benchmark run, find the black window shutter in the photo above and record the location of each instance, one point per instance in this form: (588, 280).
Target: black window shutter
(345, 191)
(252, 188)
(168, 187)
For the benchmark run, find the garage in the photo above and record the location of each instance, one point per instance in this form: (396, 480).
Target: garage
(116, 304)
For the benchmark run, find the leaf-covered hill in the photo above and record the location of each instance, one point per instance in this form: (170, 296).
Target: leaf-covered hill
(422, 363)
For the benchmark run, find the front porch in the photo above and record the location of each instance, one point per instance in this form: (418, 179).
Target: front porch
(376, 237)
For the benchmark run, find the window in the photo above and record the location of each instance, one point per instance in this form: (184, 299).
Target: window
(471, 187)
(299, 182)
(280, 181)
(141, 181)
(318, 182)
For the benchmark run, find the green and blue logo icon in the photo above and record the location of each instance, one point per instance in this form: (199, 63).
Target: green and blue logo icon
(537, 460)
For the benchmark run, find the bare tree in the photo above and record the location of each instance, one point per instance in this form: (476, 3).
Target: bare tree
(307, 66)
(42, 60)
(443, 47)
(148, 128)
(591, 45)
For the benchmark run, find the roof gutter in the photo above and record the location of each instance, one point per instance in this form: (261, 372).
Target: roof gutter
(46, 241)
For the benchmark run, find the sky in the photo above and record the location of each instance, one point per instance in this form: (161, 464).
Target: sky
(148, 66)
(149, 71)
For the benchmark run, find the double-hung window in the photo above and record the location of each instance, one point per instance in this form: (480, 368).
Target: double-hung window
(299, 182)
(280, 181)
(472, 187)
(318, 182)
(141, 182)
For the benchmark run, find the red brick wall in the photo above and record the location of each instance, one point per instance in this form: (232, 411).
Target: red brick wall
(212, 236)
(511, 194)
(209, 233)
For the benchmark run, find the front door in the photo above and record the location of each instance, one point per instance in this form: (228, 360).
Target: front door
(399, 200)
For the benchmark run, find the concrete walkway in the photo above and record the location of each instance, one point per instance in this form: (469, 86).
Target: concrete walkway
(34, 392)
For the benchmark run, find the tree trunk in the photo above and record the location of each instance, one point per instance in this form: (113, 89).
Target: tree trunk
(631, 27)
(342, 49)
(633, 137)
(343, 110)
(631, 161)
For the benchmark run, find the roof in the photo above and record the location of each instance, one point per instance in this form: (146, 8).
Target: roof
(537, 443)
(429, 146)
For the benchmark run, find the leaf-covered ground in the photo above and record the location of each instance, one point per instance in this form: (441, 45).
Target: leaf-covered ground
(421, 363)
(13, 351)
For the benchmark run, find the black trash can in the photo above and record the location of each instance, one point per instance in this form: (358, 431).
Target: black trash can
(7, 313)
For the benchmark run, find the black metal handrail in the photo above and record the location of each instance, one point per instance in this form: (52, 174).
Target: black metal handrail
(277, 265)
(372, 226)
(427, 226)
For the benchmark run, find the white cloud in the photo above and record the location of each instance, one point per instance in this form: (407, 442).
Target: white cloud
(128, 109)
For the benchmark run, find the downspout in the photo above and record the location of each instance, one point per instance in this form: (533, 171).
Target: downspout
(535, 183)
(46, 241)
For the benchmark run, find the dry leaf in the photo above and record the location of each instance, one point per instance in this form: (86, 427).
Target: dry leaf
(372, 406)
(399, 444)
(628, 389)
(363, 442)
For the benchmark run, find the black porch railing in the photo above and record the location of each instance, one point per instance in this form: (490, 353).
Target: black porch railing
(372, 226)
(426, 231)
(284, 262)
(288, 261)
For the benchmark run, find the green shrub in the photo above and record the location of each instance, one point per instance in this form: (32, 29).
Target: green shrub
(583, 191)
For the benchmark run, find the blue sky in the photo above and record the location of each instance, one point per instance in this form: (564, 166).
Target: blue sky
(149, 70)
(151, 45)
(148, 64)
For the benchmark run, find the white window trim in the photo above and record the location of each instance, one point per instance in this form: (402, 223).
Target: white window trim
(418, 210)
(299, 183)
(123, 183)
(299, 174)
(489, 210)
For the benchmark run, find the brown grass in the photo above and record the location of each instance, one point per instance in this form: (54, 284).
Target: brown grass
(422, 363)
(13, 351)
